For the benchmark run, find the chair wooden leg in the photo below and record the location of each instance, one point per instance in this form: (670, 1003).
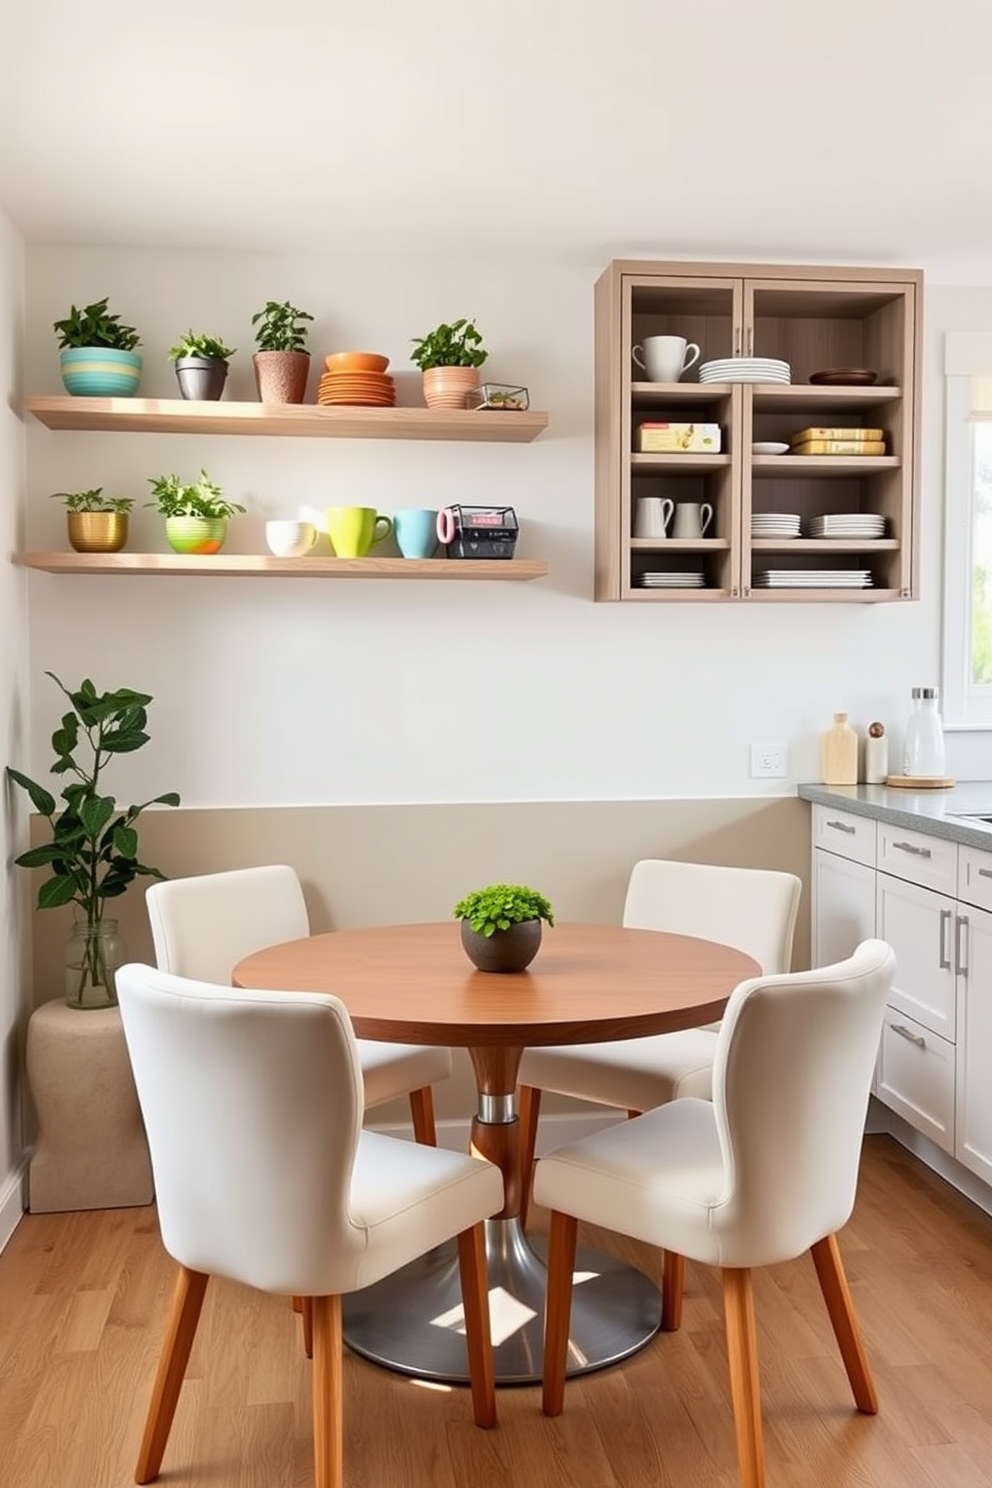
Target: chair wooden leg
(474, 1271)
(558, 1309)
(297, 1304)
(745, 1386)
(187, 1300)
(672, 1284)
(837, 1295)
(422, 1111)
(307, 1311)
(328, 1407)
(528, 1111)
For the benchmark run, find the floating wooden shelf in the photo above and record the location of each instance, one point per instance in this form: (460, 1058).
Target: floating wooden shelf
(256, 565)
(296, 420)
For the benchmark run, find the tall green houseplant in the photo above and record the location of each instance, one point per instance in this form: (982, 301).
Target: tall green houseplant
(93, 853)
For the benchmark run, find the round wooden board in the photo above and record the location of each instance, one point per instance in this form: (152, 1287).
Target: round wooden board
(921, 782)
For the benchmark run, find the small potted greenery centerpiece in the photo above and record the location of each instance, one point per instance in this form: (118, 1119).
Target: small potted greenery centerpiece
(97, 354)
(282, 362)
(96, 523)
(93, 852)
(449, 358)
(196, 514)
(501, 925)
(201, 365)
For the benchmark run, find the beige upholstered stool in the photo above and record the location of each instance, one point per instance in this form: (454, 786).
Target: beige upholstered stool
(91, 1151)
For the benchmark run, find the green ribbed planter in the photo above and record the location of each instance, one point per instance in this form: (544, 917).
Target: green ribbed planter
(100, 372)
(195, 534)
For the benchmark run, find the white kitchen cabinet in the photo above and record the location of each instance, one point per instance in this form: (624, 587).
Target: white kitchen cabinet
(973, 1106)
(843, 906)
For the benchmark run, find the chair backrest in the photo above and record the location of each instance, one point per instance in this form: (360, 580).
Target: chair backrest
(201, 926)
(791, 1079)
(253, 1106)
(752, 909)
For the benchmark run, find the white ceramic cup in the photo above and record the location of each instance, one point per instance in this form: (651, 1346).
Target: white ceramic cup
(665, 358)
(691, 519)
(652, 515)
(288, 539)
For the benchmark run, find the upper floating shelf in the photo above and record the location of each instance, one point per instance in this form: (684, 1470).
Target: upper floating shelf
(298, 420)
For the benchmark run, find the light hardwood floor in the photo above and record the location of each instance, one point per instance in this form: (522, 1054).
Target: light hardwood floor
(83, 1299)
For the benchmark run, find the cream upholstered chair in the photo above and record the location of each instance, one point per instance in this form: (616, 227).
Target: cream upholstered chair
(752, 909)
(253, 1106)
(764, 1171)
(201, 926)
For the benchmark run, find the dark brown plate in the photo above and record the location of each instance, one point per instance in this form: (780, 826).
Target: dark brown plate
(844, 377)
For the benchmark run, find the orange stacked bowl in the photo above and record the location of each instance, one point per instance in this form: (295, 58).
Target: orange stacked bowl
(356, 377)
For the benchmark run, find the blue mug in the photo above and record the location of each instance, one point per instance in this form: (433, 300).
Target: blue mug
(415, 531)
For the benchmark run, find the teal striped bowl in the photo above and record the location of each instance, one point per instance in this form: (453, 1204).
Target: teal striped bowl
(100, 372)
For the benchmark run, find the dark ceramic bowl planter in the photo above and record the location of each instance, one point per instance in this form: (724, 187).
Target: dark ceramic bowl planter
(512, 949)
(201, 378)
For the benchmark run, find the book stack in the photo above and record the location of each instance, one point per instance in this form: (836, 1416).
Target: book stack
(838, 441)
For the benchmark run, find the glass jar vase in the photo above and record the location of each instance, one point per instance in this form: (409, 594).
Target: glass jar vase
(92, 956)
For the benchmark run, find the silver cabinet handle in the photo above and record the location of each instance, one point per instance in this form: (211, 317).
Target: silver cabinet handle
(943, 960)
(904, 1032)
(918, 852)
(750, 340)
(960, 926)
(842, 827)
(985, 872)
(737, 341)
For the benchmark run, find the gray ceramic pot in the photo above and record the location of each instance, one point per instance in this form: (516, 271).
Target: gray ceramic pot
(505, 950)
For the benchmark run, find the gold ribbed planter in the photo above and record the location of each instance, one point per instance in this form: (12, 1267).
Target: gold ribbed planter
(97, 531)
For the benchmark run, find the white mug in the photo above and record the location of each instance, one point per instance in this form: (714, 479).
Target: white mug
(288, 539)
(665, 358)
(692, 519)
(652, 516)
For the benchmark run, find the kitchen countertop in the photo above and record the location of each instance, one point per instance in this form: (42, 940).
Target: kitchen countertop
(940, 813)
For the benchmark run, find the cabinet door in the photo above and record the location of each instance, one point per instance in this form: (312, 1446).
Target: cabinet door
(919, 926)
(915, 1077)
(973, 1125)
(843, 906)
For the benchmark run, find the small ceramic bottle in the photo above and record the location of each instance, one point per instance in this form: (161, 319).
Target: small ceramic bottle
(840, 753)
(876, 754)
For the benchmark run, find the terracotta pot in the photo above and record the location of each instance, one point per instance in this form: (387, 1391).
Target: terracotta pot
(97, 531)
(281, 376)
(446, 387)
(505, 950)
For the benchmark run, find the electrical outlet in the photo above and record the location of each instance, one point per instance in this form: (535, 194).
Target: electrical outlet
(769, 761)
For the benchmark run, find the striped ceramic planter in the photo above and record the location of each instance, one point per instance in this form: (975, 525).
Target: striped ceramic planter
(195, 534)
(100, 371)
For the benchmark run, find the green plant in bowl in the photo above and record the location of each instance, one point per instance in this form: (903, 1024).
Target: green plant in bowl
(498, 906)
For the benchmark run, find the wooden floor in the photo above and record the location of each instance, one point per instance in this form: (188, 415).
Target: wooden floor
(83, 1299)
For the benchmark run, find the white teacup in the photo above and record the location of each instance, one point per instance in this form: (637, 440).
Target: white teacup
(665, 358)
(288, 539)
(652, 515)
(692, 518)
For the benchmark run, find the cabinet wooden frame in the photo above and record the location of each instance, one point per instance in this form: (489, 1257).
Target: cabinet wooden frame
(812, 317)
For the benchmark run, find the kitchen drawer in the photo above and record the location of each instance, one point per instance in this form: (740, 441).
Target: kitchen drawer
(975, 877)
(918, 858)
(916, 1077)
(844, 833)
(920, 927)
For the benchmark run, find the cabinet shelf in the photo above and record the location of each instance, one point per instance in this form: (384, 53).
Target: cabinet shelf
(253, 565)
(295, 420)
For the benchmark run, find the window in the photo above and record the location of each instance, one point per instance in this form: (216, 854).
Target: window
(967, 700)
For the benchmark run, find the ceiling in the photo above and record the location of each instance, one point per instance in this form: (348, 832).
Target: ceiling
(833, 130)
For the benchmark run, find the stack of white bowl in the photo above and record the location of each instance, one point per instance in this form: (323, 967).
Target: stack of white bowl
(745, 369)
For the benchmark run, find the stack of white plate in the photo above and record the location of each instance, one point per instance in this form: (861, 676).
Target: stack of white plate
(745, 369)
(671, 580)
(813, 578)
(848, 524)
(775, 524)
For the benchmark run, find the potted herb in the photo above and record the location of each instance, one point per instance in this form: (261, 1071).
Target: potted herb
(201, 365)
(96, 523)
(196, 514)
(501, 925)
(93, 852)
(97, 356)
(282, 361)
(449, 358)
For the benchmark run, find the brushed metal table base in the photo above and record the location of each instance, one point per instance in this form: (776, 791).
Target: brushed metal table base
(410, 1322)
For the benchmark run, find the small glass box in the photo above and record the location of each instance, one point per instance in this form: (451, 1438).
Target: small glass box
(501, 395)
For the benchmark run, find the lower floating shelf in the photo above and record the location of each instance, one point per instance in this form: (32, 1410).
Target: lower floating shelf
(261, 566)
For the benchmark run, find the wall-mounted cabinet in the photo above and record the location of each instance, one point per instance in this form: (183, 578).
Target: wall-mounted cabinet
(815, 319)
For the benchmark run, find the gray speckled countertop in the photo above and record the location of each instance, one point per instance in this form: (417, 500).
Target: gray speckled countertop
(941, 813)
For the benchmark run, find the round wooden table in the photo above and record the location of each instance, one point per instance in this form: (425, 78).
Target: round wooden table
(589, 984)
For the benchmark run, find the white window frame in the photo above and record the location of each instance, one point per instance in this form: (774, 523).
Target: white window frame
(967, 354)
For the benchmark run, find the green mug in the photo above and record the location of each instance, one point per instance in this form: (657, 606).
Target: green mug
(354, 530)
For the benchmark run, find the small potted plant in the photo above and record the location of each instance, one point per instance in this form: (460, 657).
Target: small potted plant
(449, 358)
(96, 523)
(92, 856)
(97, 356)
(196, 514)
(282, 362)
(501, 925)
(201, 366)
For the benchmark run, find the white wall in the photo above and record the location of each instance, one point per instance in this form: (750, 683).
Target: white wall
(283, 692)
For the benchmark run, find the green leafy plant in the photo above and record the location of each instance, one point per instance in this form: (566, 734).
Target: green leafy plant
(194, 344)
(202, 498)
(278, 327)
(455, 345)
(498, 906)
(93, 501)
(94, 325)
(93, 852)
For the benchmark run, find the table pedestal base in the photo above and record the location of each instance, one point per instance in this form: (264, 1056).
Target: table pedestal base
(411, 1321)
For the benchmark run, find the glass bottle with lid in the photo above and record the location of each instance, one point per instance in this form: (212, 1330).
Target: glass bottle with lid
(924, 746)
